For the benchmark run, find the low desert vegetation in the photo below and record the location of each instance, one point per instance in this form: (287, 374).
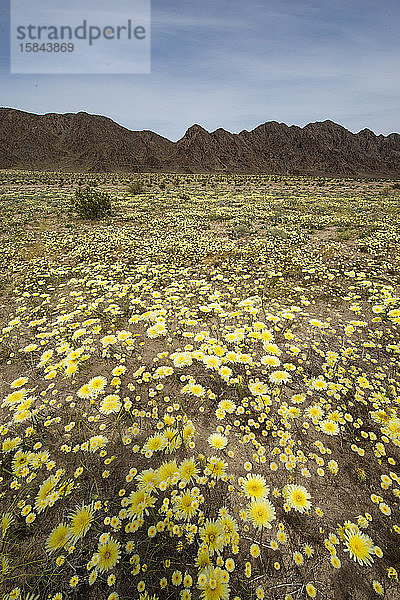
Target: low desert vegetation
(91, 203)
(200, 390)
(135, 188)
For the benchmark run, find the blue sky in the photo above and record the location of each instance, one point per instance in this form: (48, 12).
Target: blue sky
(231, 64)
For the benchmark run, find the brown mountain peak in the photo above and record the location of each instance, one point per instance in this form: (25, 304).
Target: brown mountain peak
(81, 141)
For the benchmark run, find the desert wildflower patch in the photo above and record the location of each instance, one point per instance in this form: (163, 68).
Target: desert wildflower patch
(200, 397)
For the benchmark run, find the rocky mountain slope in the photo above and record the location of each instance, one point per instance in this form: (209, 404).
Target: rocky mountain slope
(83, 142)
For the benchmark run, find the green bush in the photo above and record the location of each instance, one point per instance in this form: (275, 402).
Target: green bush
(135, 188)
(184, 196)
(90, 203)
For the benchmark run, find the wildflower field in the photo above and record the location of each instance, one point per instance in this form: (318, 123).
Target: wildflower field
(200, 392)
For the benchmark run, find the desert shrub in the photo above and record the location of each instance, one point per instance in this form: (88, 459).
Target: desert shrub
(347, 233)
(135, 188)
(278, 233)
(91, 203)
(241, 229)
(184, 196)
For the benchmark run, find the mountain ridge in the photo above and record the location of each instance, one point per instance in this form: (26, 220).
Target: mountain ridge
(84, 142)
